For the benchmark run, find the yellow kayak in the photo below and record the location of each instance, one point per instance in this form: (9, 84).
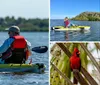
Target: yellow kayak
(62, 28)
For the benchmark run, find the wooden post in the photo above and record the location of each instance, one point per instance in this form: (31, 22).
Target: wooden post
(97, 45)
(90, 56)
(88, 77)
(64, 76)
(66, 51)
(79, 77)
(84, 72)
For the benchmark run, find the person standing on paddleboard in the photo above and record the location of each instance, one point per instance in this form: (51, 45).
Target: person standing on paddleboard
(15, 49)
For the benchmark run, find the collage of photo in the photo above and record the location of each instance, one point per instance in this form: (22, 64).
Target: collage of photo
(50, 42)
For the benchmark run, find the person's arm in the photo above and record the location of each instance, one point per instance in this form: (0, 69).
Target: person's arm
(29, 48)
(28, 44)
(7, 43)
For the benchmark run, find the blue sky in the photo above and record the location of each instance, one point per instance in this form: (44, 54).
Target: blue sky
(62, 8)
(24, 8)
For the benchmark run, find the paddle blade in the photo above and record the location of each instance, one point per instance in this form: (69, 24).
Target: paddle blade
(40, 49)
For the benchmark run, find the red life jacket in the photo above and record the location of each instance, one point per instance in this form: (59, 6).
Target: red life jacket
(66, 23)
(19, 42)
(19, 50)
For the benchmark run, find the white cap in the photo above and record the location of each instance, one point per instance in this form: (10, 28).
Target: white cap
(14, 29)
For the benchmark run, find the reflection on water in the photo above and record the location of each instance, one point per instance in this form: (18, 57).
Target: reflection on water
(75, 33)
(61, 36)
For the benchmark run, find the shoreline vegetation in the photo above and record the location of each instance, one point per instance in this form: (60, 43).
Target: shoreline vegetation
(87, 16)
(25, 25)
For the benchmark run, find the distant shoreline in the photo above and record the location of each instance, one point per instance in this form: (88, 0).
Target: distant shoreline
(85, 16)
(34, 25)
(75, 20)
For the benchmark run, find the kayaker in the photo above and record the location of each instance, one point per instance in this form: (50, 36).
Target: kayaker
(15, 49)
(66, 22)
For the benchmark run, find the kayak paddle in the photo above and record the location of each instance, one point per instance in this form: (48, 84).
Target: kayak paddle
(40, 49)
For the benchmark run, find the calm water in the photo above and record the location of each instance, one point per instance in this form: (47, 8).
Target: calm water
(36, 39)
(92, 35)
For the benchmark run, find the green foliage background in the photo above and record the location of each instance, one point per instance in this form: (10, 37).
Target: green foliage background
(25, 24)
